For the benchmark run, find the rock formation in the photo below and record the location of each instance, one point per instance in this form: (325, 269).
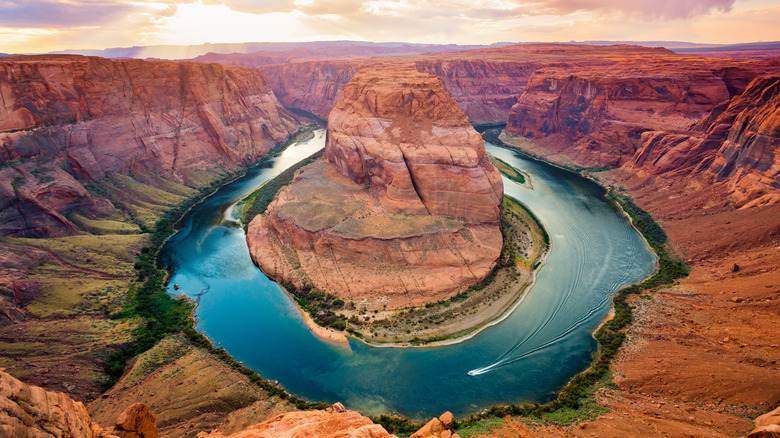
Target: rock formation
(315, 424)
(738, 143)
(65, 120)
(438, 428)
(405, 207)
(767, 425)
(596, 113)
(30, 411)
(407, 138)
(486, 83)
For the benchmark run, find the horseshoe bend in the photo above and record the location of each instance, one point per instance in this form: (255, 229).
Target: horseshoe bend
(597, 256)
(404, 210)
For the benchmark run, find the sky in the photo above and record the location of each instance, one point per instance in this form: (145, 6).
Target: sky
(39, 26)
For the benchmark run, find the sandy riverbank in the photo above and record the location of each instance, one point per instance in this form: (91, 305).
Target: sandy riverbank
(323, 332)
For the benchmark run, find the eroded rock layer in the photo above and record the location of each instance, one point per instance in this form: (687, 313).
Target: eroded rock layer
(408, 139)
(66, 120)
(737, 143)
(404, 208)
(596, 115)
(486, 83)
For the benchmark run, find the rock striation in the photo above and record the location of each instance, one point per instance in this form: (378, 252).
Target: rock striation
(405, 207)
(407, 138)
(596, 115)
(68, 120)
(486, 83)
(738, 144)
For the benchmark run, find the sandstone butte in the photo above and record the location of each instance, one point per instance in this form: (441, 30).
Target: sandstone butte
(66, 121)
(405, 206)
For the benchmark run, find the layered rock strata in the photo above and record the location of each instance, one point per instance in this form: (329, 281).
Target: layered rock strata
(738, 143)
(67, 120)
(486, 83)
(596, 115)
(404, 208)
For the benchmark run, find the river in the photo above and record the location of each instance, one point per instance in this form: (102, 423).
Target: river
(527, 357)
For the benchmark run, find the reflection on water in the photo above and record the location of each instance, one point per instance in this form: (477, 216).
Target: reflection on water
(527, 357)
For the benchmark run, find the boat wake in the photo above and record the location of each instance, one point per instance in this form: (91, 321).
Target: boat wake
(509, 356)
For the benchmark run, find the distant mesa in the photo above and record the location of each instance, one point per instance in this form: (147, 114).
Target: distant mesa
(405, 204)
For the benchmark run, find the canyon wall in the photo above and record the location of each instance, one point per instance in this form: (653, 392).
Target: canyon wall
(315, 86)
(484, 89)
(404, 208)
(486, 83)
(597, 115)
(69, 120)
(738, 143)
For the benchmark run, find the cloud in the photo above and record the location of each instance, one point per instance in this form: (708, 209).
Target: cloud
(653, 9)
(257, 7)
(488, 9)
(44, 25)
(59, 14)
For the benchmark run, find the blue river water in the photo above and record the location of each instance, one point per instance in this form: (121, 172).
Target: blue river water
(527, 357)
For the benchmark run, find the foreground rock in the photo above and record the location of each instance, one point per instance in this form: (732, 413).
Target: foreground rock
(30, 411)
(767, 425)
(405, 208)
(438, 428)
(335, 423)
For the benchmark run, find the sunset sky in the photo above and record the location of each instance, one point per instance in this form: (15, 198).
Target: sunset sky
(28, 26)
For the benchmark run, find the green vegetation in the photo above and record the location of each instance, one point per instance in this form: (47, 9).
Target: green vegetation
(103, 226)
(492, 136)
(397, 425)
(575, 401)
(17, 182)
(642, 220)
(147, 299)
(482, 427)
(260, 199)
(320, 306)
(508, 170)
(482, 127)
(159, 315)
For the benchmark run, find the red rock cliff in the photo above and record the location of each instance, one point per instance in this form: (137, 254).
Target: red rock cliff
(91, 116)
(486, 83)
(31, 411)
(404, 208)
(597, 114)
(484, 89)
(738, 143)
